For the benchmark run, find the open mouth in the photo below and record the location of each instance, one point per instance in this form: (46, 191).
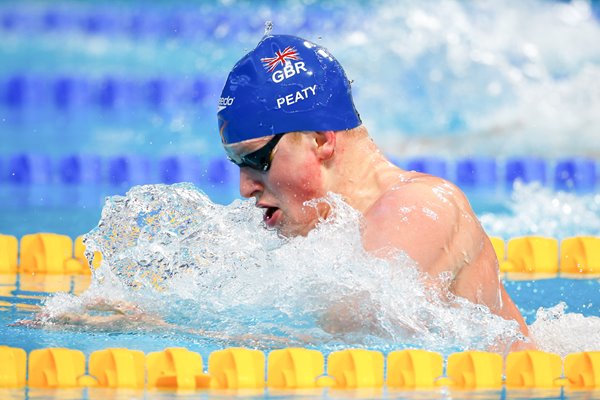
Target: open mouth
(268, 216)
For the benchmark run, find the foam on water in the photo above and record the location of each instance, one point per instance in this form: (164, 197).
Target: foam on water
(456, 77)
(536, 210)
(211, 268)
(557, 331)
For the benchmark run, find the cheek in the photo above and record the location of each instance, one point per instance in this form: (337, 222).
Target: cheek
(301, 182)
(308, 181)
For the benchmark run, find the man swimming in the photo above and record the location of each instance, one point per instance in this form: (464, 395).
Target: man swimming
(287, 119)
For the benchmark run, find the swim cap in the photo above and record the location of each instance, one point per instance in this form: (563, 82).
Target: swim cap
(285, 84)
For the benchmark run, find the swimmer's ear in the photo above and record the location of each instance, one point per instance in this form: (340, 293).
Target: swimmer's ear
(325, 144)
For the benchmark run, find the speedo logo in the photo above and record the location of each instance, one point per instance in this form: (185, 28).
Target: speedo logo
(224, 102)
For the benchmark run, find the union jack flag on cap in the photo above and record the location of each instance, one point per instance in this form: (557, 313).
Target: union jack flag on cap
(281, 57)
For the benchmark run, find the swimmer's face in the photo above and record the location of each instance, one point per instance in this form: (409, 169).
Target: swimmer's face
(293, 176)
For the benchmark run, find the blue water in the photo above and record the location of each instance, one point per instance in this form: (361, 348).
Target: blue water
(98, 98)
(20, 296)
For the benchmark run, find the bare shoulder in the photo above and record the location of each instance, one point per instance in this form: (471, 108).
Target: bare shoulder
(420, 192)
(422, 215)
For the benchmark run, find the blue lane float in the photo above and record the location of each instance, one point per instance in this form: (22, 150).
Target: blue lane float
(52, 21)
(9, 20)
(481, 173)
(106, 93)
(180, 168)
(575, 174)
(221, 171)
(14, 91)
(128, 170)
(29, 169)
(155, 93)
(428, 165)
(80, 169)
(63, 93)
(526, 170)
(95, 23)
(182, 22)
(476, 172)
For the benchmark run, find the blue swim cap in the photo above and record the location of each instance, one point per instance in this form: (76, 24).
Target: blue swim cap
(285, 84)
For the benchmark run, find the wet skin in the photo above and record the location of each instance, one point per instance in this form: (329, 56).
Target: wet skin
(427, 217)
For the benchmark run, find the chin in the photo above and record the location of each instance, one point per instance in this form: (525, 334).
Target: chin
(288, 233)
(296, 230)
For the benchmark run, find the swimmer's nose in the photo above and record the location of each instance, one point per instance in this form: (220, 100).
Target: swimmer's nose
(250, 186)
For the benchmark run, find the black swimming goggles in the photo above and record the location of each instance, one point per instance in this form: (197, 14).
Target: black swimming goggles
(260, 159)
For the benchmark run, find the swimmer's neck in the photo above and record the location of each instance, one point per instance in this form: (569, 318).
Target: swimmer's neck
(360, 172)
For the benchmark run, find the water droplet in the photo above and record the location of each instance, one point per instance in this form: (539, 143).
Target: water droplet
(268, 27)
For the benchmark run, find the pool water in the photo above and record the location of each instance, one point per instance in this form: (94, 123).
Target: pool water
(96, 100)
(385, 393)
(168, 251)
(22, 296)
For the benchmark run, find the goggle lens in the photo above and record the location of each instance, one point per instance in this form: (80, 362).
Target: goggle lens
(260, 159)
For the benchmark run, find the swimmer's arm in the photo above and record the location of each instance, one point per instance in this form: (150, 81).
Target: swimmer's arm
(114, 315)
(418, 219)
(126, 316)
(435, 225)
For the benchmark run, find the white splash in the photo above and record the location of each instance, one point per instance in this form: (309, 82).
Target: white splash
(483, 77)
(536, 210)
(556, 331)
(171, 252)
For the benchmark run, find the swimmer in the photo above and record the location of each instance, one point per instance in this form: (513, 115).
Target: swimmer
(287, 119)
